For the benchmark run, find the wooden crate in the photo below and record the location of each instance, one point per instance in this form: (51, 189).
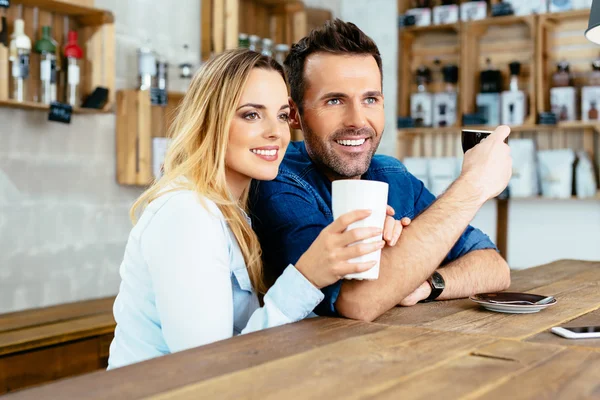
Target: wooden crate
(560, 37)
(502, 40)
(96, 38)
(138, 121)
(283, 21)
(422, 46)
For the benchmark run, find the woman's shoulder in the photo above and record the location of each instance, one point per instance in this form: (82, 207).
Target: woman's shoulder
(180, 207)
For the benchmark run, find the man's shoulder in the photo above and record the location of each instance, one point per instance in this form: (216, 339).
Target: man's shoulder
(296, 160)
(383, 166)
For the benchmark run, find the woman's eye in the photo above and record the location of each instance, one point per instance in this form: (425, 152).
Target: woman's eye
(284, 117)
(251, 116)
(333, 102)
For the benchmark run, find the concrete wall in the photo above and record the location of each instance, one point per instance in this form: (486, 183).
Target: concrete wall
(63, 217)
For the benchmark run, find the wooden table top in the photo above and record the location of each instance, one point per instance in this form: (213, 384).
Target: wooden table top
(443, 350)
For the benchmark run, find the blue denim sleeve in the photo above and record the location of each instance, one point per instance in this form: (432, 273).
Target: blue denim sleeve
(470, 240)
(287, 219)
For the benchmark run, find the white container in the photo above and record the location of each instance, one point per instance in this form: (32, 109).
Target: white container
(421, 108)
(513, 107)
(528, 7)
(585, 177)
(422, 16)
(159, 149)
(442, 173)
(560, 5)
(556, 173)
(489, 105)
(590, 103)
(355, 194)
(444, 109)
(445, 14)
(524, 179)
(563, 101)
(473, 11)
(582, 4)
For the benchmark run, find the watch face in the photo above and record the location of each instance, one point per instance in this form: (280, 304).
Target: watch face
(438, 281)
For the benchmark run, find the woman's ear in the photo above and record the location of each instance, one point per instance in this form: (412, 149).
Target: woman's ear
(294, 119)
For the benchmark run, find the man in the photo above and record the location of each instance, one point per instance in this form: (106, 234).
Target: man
(336, 96)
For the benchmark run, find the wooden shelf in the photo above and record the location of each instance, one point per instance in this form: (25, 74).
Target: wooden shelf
(571, 125)
(566, 15)
(504, 20)
(541, 198)
(85, 15)
(432, 28)
(276, 2)
(96, 36)
(30, 105)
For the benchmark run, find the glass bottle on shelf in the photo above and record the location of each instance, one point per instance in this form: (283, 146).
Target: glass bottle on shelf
(73, 54)
(437, 77)
(281, 52)
(254, 42)
(46, 47)
(594, 75)
(444, 103)
(243, 41)
(590, 93)
(146, 66)
(489, 104)
(593, 112)
(515, 71)
(267, 47)
(20, 50)
(514, 100)
(562, 77)
(422, 3)
(563, 94)
(186, 66)
(421, 102)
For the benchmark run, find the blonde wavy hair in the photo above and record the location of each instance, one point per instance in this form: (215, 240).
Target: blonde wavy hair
(200, 134)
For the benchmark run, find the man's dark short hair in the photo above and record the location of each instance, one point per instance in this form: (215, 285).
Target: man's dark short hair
(335, 37)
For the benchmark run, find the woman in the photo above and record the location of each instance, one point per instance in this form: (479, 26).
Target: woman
(192, 269)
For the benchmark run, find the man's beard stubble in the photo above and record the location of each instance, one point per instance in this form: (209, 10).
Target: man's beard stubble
(334, 166)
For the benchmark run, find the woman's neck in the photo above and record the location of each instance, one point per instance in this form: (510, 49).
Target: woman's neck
(237, 183)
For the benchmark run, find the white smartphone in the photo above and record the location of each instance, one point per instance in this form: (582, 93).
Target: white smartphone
(581, 332)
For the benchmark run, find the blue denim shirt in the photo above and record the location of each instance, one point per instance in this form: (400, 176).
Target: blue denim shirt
(289, 212)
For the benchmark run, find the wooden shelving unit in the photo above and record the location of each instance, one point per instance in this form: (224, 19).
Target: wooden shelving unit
(538, 42)
(282, 21)
(30, 105)
(138, 121)
(96, 32)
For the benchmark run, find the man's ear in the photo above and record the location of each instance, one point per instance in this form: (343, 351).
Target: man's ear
(294, 119)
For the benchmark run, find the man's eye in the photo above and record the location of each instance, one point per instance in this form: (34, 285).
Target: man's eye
(371, 100)
(333, 102)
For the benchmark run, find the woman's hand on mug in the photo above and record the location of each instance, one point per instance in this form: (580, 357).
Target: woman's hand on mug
(327, 260)
(393, 228)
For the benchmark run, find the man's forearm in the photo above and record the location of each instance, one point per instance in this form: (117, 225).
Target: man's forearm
(476, 272)
(421, 249)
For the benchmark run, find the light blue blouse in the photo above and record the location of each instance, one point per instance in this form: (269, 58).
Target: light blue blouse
(185, 284)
